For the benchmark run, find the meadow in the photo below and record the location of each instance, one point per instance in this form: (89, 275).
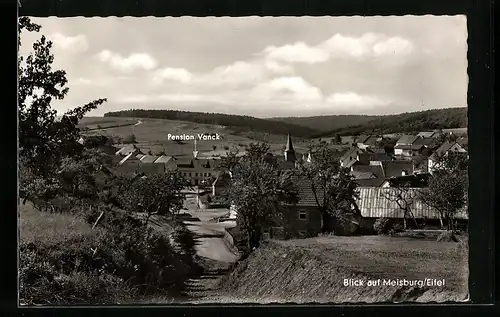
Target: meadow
(313, 270)
(151, 135)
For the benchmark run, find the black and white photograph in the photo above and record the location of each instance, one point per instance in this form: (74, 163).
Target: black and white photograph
(243, 160)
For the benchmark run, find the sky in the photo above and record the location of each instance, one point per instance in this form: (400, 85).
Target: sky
(261, 66)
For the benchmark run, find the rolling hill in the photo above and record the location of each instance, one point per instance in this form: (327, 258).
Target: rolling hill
(327, 123)
(235, 122)
(450, 118)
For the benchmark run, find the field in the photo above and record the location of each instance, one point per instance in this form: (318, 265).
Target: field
(151, 135)
(313, 270)
(35, 226)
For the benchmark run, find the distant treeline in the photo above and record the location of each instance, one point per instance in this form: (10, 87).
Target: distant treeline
(449, 118)
(235, 122)
(328, 122)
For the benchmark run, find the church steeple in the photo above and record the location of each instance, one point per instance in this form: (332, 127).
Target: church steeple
(289, 151)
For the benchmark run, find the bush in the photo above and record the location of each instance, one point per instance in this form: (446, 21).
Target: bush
(382, 225)
(130, 139)
(118, 260)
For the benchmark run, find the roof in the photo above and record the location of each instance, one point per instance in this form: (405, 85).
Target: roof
(407, 139)
(305, 193)
(423, 141)
(184, 163)
(149, 158)
(362, 138)
(370, 182)
(163, 159)
(373, 169)
(445, 147)
(373, 203)
(368, 157)
(289, 145)
(151, 168)
(371, 140)
(353, 151)
(127, 149)
(426, 134)
(363, 175)
(129, 157)
(408, 146)
(396, 168)
(417, 181)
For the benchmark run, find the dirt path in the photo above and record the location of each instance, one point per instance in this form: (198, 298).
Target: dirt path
(214, 253)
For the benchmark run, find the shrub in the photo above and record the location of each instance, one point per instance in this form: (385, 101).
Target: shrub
(226, 147)
(118, 260)
(130, 139)
(382, 225)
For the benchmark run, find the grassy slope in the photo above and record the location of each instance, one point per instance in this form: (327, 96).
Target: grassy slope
(312, 270)
(328, 123)
(35, 226)
(152, 134)
(235, 122)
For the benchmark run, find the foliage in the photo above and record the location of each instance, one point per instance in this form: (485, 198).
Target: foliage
(448, 186)
(382, 225)
(333, 187)
(156, 194)
(404, 196)
(43, 138)
(129, 139)
(119, 260)
(406, 123)
(257, 191)
(236, 122)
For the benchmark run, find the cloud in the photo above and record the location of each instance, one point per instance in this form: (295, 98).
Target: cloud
(350, 99)
(340, 46)
(135, 61)
(175, 74)
(294, 89)
(237, 74)
(73, 44)
(296, 53)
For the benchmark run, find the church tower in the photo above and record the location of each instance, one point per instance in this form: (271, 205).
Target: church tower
(289, 151)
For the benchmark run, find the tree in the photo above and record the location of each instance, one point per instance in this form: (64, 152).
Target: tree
(155, 194)
(333, 187)
(214, 147)
(45, 139)
(404, 196)
(130, 139)
(448, 187)
(338, 139)
(258, 191)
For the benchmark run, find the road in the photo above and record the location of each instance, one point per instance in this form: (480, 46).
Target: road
(210, 236)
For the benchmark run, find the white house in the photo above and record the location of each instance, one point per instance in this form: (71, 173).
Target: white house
(444, 149)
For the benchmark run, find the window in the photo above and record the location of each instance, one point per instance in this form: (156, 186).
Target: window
(196, 174)
(189, 174)
(303, 215)
(209, 174)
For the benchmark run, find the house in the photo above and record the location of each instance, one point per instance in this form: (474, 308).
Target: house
(375, 174)
(415, 181)
(221, 183)
(409, 146)
(129, 164)
(367, 141)
(427, 134)
(300, 219)
(197, 171)
(374, 203)
(126, 150)
(350, 157)
(148, 159)
(444, 149)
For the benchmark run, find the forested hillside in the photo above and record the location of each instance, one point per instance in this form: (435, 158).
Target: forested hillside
(327, 123)
(449, 118)
(235, 122)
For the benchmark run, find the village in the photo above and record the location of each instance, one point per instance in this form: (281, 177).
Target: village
(375, 168)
